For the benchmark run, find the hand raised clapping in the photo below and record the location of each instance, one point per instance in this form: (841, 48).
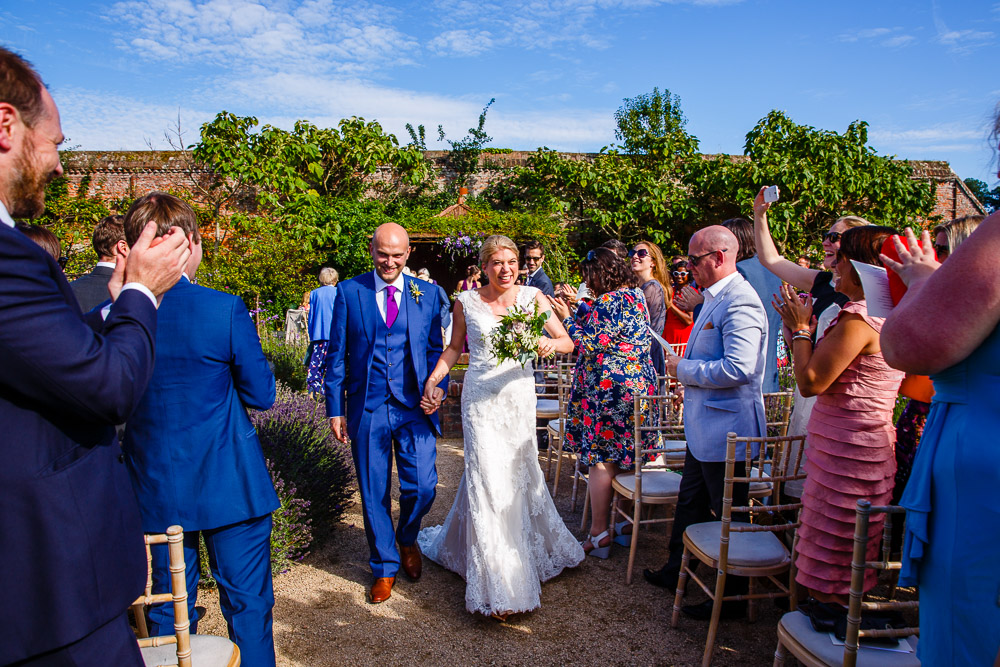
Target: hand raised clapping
(915, 264)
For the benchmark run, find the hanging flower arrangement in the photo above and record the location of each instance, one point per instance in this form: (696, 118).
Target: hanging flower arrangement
(461, 245)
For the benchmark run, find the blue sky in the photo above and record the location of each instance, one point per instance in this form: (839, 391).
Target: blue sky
(921, 72)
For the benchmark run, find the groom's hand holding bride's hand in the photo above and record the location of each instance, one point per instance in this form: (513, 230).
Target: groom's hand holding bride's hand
(431, 400)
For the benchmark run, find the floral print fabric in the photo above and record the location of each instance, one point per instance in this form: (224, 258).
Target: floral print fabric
(613, 365)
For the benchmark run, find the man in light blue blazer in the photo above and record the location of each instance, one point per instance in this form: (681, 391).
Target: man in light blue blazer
(721, 371)
(385, 340)
(192, 452)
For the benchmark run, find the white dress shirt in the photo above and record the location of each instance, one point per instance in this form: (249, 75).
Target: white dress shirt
(381, 294)
(5, 216)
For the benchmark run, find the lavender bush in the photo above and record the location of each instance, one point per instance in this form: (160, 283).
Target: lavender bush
(297, 441)
(291, 532)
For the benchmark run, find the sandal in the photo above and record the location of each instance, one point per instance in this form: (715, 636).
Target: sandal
(595, 549)
(621, 537)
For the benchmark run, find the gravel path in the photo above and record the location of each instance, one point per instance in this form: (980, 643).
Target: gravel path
(589, 616)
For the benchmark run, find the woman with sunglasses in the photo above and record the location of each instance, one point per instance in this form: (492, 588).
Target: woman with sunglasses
(850, 431)
(679, 321)
(826, 301)
(650, 269)
(613, 364)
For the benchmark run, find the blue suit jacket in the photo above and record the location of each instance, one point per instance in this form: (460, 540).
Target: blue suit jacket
(71, 551)
(352, 344)
(191, 450)
(765, 284)
(722, 371)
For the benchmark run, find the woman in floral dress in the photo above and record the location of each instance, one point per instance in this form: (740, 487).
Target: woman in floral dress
(613, 365)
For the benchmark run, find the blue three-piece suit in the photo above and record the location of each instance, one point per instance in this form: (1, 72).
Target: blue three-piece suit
(375, 378)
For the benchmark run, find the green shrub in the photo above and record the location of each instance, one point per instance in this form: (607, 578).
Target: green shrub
(288, 359)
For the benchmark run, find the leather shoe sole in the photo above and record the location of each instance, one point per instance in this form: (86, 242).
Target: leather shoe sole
(410, 561)
(703, 612)
(381, 589)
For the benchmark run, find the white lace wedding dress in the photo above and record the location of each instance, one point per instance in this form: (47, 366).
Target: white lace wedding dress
(503, 533)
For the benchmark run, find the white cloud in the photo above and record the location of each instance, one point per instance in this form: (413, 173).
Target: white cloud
(462, 42)
(932, 142)
(889, 37)
(961, 42)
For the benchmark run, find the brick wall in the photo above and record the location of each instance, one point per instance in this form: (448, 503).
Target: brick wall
(128, 174)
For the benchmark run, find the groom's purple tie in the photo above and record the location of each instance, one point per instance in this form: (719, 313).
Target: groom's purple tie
(391, 309)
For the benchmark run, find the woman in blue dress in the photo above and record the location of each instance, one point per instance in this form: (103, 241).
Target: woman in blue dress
(952, 546)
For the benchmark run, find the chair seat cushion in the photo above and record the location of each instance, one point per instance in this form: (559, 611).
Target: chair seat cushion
(206, 651)
(655, 483)
(745, 549)
(797, 625)
(555, 426)
(547, 407)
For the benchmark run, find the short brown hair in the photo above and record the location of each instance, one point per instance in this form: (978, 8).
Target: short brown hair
(42, 237)
(863, 244)
(107, 233)
(742, 229)
(21, 87)
(166, 210)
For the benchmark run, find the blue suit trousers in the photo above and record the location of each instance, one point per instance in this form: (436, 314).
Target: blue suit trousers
(394, 427)
(239, 556)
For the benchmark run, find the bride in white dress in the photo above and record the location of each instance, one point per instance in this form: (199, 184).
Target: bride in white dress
(503, 533)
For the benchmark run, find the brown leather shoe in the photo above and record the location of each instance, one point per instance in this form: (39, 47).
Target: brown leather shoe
(409, 558)
(381, 589)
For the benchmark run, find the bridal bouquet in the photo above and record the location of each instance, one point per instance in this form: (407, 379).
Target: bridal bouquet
(516, 336)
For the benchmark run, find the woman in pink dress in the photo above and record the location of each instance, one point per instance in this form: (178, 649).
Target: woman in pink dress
(851, 435)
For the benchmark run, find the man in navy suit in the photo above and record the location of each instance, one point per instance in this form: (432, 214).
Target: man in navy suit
(385, 340)
(534, 257)
(71, 551)
(191, 451)
(108, 240)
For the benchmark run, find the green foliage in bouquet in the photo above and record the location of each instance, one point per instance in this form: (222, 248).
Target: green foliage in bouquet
(516, 336)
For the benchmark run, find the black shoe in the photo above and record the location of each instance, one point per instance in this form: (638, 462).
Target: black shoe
(665, 577)
(703, 612)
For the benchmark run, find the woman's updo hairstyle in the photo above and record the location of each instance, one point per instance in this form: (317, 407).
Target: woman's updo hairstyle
(494, 244)
(604, 271)
(863, 244)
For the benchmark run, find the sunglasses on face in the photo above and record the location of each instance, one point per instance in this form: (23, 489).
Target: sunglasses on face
(942, 250)
(641, 253)
(832, 237)
(694, 259)
(679, 272)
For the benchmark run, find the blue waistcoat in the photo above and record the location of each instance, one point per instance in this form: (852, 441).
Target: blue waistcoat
(392, 371)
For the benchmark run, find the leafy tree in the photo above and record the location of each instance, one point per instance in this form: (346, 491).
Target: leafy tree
(990, 199)
(822, 175)
(643, 121)
(463, 157)
(72, 220)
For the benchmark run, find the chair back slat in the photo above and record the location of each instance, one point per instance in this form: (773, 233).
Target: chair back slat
(859, 564)
(178, 596)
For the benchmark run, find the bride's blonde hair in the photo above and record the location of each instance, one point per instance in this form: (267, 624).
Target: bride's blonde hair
(494, 244)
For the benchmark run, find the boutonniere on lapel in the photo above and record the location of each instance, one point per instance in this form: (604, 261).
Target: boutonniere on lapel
(415, 292)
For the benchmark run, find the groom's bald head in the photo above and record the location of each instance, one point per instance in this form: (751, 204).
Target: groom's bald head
(390, 249)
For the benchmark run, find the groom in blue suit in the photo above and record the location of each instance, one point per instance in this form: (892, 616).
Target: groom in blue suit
(385, 340)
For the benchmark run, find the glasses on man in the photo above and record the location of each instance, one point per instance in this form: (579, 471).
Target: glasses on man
(832, 237)
(641, 253)
(942, 250)
(532, 259)
(694, 259)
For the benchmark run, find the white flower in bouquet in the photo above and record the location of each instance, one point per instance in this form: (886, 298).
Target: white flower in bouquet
(517, 334)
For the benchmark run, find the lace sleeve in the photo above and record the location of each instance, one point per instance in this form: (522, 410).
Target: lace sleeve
(656, 303)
